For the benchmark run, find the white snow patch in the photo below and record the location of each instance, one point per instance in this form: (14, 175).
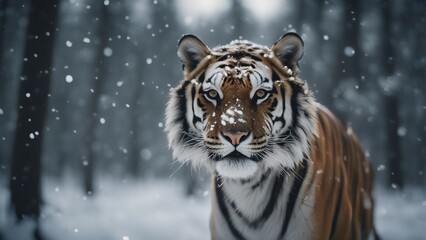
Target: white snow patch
(153, 209)
(144, 209)
(228, 116)
(230, 112)
(400, 214)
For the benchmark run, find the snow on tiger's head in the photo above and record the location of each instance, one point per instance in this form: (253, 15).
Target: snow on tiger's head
(241, 109)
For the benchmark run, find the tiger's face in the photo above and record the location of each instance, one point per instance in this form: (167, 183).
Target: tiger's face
(240, 110)
(239, 113)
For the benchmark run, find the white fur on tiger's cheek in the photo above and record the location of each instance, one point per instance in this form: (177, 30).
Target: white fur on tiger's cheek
(182, 151)
(242, 169)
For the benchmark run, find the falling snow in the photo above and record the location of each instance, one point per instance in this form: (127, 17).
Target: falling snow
(349, 51)
(107, 52)
(402, 131)
(120, 203)
(69, 78)
(381, 167)
(132, 95)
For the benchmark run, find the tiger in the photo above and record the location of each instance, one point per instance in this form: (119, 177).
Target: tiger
(282, 165)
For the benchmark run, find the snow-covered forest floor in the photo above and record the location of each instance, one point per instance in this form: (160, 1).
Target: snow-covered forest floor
(158, 209)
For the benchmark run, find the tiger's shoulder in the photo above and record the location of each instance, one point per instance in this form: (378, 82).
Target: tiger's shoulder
(341, 178)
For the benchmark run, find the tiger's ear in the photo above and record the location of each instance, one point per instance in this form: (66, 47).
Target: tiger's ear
(289, 50)
(191, 50)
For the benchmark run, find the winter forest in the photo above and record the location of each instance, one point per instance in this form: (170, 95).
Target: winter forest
(84, 85)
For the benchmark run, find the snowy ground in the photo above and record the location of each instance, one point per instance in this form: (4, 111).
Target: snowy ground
(157, 209)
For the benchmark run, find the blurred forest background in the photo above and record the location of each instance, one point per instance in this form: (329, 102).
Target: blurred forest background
(83, 83)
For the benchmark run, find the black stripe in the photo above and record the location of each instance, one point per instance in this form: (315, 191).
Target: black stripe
(201, 78)
(256, 58)
(274, 105)
(291, 134)
(270, 206)
(283, 102)
(281, 118)
(270, 124)
(336, 212)
(297, 185)
(297, 89)
(200, 105)
(275, 76)
(222, 58)
(345, 150)
(262, 179)
(195, 119)
(210, 78)
(182, 111)
(221, 202)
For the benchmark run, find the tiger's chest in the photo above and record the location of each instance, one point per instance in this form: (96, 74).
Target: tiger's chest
(260, 209)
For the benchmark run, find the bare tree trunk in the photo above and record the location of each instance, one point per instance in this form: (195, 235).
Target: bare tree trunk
(25, 178)
(421, 76)
(89, 163)
(238, 19)
(135, 118)
(3, 16)
(391, 103)
(164, 13)
(347, 66)
(416, 12)
(316, 24)
(393, 146)
(300, 16)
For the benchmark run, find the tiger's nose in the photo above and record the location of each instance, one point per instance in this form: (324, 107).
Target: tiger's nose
(234, 137)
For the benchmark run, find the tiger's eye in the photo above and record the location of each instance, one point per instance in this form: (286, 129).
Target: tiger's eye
(212, 93)
(260, 93)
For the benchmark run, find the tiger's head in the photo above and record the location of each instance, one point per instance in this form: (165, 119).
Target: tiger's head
(241, 109)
